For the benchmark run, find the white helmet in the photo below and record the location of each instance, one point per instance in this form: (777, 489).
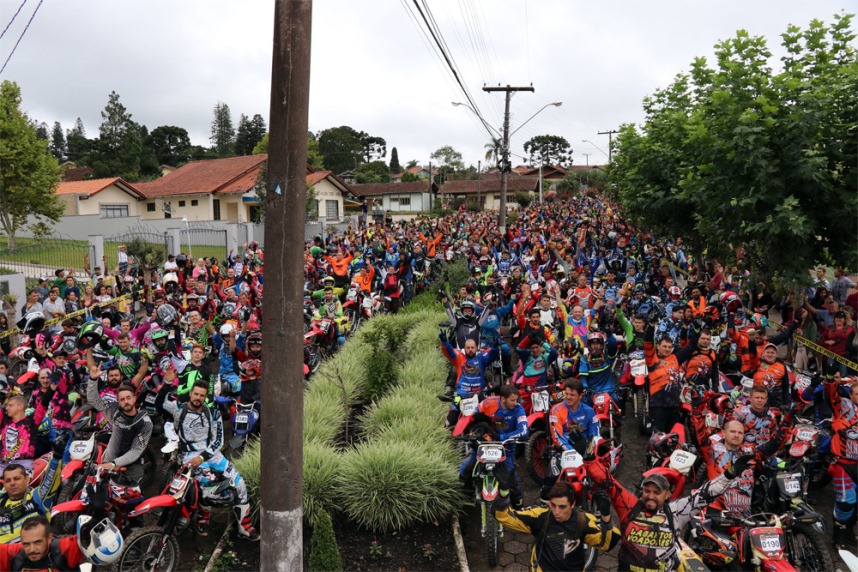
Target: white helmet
(225, 330)
(104, 542)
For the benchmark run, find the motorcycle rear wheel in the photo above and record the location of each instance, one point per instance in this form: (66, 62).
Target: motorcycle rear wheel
(810, 553)
(141, 548)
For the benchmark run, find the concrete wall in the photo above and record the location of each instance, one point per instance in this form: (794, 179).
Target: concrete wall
(202, 211)
(112, 195)
(326, 191)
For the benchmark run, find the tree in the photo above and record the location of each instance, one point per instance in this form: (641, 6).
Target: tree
(341, 148)
(314, 159)
(150, 167)
(41, 130)
(149, 256)
(120, 142)
(223, 133)
(28, 171)
(548, 150)
(395, 167)
(412, 163)
(408, 177)
(171, 144)
(324, 552)
(448, 159)
(373, 172)
(494, 150)
(250, 133)
(58, 142)
(374, 148)
(740, 155)
(77, 144)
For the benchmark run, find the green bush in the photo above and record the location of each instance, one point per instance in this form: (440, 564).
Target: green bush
(425, 301)
(458, 274)
(390, 485)
(324, 552)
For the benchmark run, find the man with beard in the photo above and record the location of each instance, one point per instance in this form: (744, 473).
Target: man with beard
(131, 427)
(39, 550)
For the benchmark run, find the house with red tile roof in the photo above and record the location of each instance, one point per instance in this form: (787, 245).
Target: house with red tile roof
(416, 196)
(225, 189)
(485, 191)
(108, 198)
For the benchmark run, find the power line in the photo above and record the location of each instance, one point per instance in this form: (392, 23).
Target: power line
(13, 19)
(27, 27)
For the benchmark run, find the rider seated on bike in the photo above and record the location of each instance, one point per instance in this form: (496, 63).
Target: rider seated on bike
(19, 431)
(568, 415)
(200, 430)
(596, 367)
(506, 416)
(650, 524)
(470, 367)
(535, 357)
(331, 308)
(561, 531)
(465, 322)
(18, 501)
(39, 550)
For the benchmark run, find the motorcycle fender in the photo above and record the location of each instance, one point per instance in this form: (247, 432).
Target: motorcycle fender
(73, 466)
(348, 304)
(461, 425)
(154, 502)
(490, 489)
(69, 506)
(534, 419)
(640, 380)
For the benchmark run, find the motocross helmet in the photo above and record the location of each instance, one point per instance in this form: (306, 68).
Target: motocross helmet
(759, 321)
(254, 339)
(640, 288)
(159, 338)
(730, 301)
(228, 309)
(661, 445)
(102, 543)
(711, 313)
(675, 293)
(33, 322)
(68, 347)
(171, 282)
(567, 368)
(250, 369)
(467, 305)
(492, 323)
(225, 330)
(167, 315)
(596, 337)
(90, 335)
(181, 260)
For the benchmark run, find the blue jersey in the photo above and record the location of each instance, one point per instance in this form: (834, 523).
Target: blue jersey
(509, 423)
(470, 372)
(599, 377)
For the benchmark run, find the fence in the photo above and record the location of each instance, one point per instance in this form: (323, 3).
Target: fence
(44, 256)
(205, 242)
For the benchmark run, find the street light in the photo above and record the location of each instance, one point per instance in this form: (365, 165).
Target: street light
(596, 146)
(480, 117)
(555, 104)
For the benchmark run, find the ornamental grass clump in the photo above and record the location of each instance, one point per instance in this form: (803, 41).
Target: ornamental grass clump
(321, 464)
(388, 486)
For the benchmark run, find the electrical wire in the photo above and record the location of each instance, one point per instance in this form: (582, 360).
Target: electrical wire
(27, 27)
(13, 19)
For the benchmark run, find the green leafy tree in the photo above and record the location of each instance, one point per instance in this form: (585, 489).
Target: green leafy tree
(171, 144)
(41, 130)
(28, 171)
(120, 142)
(223, 132)
(395, 167)
(147, 255)
(314, 159)
(58, 142)
(150, 167)
(412, 163)
(409, 177)
(448, 160)
(742, 155)
(373, 172)
(77, 144)
(341, 148)
(494, 150)
(548, 150)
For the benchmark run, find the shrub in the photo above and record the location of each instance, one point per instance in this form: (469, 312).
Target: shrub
(324, 552)
(390, 485)
(322, 421)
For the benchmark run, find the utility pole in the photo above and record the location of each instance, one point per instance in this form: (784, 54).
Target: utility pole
(505, 164)
(283, 393)
(610, 133)
(587, 158)
(479, 166)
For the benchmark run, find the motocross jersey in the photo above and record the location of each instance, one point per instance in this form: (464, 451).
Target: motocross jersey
(760, 428)
(128, 361)
(664, 375)
(598, 375)
(775, 378)
(470, 372)
(13, 513)
(718, 457)
(844, 427)
(59, 406)
(649, 540)
(509, 423)
(702, 368)
(670, 328)
(18, 438)
(535, 369)
(562, 420)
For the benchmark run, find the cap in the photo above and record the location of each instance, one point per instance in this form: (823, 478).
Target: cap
(770, 345)
(658, 480)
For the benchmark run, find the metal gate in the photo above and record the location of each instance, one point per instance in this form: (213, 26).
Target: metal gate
(205, 243)
(37, 257)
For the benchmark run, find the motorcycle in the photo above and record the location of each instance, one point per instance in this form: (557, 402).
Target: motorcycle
(99, 496)
(156, 546)
(245, 423)
(538, 447)
(672, 456)
(609, 417)
(353, 306)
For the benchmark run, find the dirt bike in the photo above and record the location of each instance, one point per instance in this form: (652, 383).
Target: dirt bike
(671, 455)
(245, 423)
(156, 547)
(538, 447)
(353, 306)
(99, 496)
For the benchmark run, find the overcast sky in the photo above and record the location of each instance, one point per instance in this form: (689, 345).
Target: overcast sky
(372, 67)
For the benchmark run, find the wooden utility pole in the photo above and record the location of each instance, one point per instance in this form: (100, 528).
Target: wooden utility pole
(610, 133)
(506, 167)
(283, 359)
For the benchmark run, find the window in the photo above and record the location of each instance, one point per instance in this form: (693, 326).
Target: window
(168, 209)
(194, 202)
(113, 211)
(216, 209)
(404, 201)
(332, 209)
(150, 207)
(181, 203)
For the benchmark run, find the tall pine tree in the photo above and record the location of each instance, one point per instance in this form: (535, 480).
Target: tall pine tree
(58, 142)
(223, 133)
(395, 167)
(77, 145)
(120, 143)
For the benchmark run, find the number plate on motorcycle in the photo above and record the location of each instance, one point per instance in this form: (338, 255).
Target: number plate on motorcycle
(571, 460)
(747, 382)
(177, 484)
(367, 302)
(599, 399)
(713, 420)
(805, 434)
(490, 453)
(241, 418)
(790, 483)
(540, 401)
(80, 450)
(770, 542)
(468, 406)
(150, 399)
(682, 461)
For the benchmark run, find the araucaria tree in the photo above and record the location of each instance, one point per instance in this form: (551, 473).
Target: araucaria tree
(223, 132)
(28, 171)
(120, 142)
(548, 150)
(742, 155)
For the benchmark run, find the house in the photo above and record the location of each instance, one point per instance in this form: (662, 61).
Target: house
(225, 189)
(485, 191)
(398, 197)
(107, 198)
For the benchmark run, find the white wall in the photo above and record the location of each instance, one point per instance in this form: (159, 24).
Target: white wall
(202, 211)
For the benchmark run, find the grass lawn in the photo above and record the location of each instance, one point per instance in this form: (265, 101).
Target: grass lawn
(61, 253)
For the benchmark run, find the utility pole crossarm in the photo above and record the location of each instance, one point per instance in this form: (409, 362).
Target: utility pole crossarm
(610, 133)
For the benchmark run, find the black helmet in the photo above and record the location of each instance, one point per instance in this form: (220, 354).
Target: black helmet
(181, 259)
(90, 335)
(33, 322)
(166, 315)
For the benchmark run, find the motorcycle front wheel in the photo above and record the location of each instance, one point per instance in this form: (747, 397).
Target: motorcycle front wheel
(535, 454)
(142, 549)
(809, 552)
(491, 537)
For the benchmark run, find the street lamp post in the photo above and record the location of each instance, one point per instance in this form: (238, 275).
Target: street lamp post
(597, 147)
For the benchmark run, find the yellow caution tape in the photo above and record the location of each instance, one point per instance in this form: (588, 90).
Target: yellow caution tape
(665, 261)
(14, 331)
(819, 349)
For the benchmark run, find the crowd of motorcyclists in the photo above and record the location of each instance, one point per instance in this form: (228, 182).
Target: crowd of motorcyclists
(573, 327)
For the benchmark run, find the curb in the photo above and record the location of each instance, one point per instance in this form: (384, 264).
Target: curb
(218, 549)
(460, 545)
